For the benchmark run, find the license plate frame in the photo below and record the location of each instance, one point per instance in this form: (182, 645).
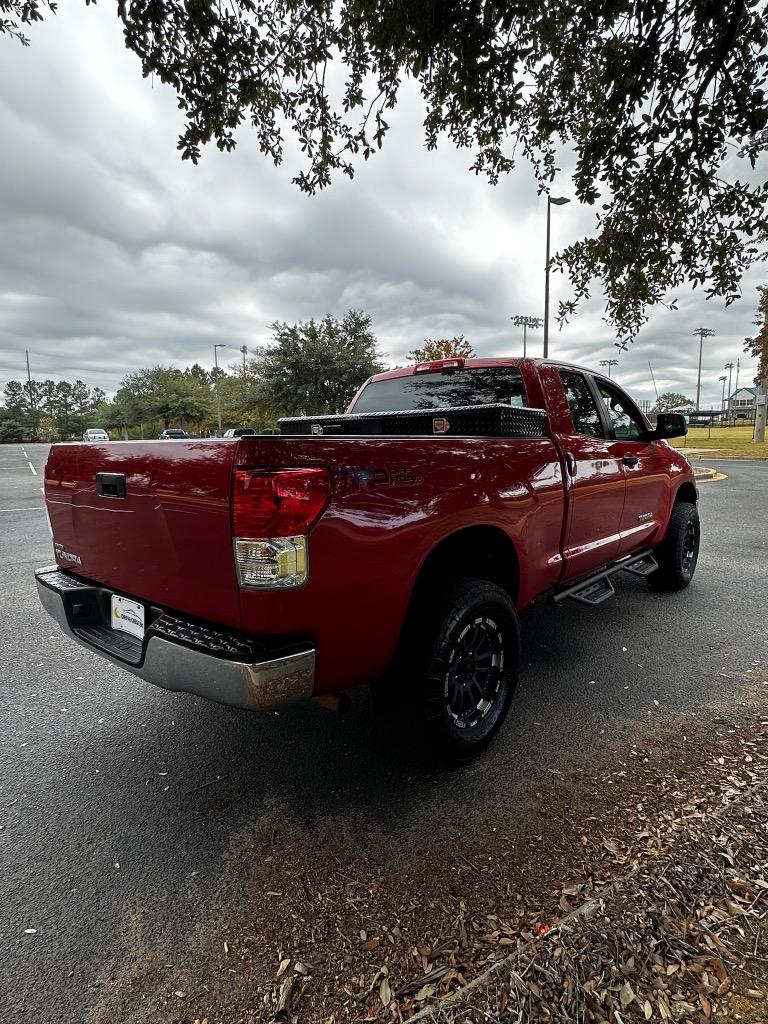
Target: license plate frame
(128, 616)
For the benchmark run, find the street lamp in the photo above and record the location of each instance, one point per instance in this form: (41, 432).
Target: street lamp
(702, 332)
(551, 201)
(525, 322)
(722, 380)
(216, 381)
(609, 363)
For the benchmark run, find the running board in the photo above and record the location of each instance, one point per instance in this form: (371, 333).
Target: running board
(595, 589)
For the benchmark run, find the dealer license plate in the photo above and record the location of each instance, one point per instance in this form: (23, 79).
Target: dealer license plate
(128, 616)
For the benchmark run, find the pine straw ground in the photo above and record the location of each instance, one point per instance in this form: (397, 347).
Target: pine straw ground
(319, 926)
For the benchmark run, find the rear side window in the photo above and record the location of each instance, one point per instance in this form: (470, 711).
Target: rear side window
(584, 411)
(493, 385)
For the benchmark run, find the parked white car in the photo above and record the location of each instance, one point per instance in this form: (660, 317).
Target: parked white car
(95, 434)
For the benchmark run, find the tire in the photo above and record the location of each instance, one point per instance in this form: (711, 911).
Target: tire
(678, 554)
(458, 669)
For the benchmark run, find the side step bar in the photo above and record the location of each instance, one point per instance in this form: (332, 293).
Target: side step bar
(593, 590)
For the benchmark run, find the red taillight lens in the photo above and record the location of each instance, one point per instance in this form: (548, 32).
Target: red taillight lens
(283, 503)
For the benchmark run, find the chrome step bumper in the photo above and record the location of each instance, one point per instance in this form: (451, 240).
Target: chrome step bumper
(228, 676)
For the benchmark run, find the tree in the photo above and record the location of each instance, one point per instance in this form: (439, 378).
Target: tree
(442, 348)
(64, 404)
(660, 107)
(46, 430)
(757, 347)
(81, 401)
(316, 367)
(12, 430)
(16, 400)
(671, 400)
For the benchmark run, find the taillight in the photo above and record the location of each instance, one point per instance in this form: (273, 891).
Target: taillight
(272, 512)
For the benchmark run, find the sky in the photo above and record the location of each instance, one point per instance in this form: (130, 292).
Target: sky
(115, 254)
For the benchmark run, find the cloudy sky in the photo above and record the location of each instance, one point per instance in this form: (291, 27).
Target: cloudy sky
(114, 254)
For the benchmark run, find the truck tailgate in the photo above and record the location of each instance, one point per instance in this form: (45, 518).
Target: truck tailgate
(168, 540)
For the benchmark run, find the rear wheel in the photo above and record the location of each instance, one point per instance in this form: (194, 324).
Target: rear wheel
(678, 554)
(459, 667)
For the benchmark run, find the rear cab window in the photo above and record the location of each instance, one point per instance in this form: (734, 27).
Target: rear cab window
(441, 389)
(584, 411)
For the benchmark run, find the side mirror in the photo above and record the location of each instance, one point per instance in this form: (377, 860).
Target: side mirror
(669, 424)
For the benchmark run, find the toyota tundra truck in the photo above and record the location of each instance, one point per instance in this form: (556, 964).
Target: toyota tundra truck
(393, 544)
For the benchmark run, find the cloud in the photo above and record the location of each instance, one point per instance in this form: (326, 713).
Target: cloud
(114, 254)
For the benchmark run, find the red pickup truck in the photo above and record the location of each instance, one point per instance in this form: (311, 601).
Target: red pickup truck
(392, 544)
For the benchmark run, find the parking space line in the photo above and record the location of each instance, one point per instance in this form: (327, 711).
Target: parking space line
(34, 471)
(29, 508)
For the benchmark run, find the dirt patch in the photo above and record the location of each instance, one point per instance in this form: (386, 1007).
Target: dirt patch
(321, 924)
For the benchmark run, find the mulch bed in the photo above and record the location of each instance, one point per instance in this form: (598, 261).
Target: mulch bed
(316, 926)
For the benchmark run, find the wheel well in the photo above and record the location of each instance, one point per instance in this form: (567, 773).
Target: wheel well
(686, 492)
(482, 552)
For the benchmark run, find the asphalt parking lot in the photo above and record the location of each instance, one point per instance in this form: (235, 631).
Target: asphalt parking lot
(112, 793)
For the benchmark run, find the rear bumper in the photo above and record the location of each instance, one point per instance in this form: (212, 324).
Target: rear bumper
(177, 654)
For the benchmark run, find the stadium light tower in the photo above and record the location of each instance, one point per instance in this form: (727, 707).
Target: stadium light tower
(609, 363)
(525, 322)
(702, 332)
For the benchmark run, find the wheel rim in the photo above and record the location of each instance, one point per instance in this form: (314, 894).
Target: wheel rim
(475, 671)
(689, 548)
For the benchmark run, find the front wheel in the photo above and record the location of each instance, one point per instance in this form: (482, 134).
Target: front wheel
(460, 664)
(678, 553)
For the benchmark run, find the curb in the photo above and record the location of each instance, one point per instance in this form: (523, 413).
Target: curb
(702, 473)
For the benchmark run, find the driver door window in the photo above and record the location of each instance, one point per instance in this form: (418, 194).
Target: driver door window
(626, 421)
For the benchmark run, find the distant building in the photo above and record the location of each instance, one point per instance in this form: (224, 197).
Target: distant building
(742, 404)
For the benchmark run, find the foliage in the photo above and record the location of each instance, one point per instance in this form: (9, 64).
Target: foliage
(660, 107)
(757, 347)
(309, 367)
(49, 410)
(16, 14)
(12, 430)
(316, 367)
(165, 393)
(442, 348)
(671, 400)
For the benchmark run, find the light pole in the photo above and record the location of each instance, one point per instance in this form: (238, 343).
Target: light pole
(722, 380)
(244, 350)
(551, 201)
(729, 368)
(216, 381)
(525, 322)
(609, 363)
(702, 332)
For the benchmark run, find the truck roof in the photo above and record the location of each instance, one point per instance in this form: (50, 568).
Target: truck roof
(473, 362)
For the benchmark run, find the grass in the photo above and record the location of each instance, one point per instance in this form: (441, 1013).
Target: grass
(733, 442)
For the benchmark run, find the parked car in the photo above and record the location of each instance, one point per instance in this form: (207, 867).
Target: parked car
(240, 432)
(95, 434)
(395, 544)
(173, 434)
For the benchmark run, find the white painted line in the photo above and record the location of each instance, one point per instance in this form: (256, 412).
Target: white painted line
(34, 471)
(29, 508)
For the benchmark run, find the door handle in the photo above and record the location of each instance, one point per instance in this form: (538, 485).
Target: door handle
(570, 461)
(630, 460)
